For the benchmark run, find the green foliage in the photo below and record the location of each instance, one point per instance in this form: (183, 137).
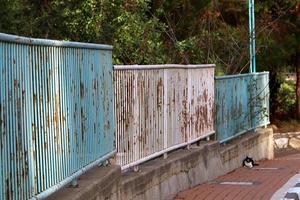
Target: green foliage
(286, 98)
(138, 37)
(173, 31)
(155, 31)
(84, 20)
(279, 46)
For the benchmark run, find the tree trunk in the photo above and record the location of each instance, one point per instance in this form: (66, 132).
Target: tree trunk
(298, 84)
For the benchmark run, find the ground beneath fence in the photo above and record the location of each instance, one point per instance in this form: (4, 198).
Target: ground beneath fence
(281, 126)
(260, 182)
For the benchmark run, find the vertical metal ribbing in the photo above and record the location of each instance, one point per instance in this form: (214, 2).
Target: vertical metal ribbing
(68, 97)
(17, 119)
(149, 128)
(50, 84)
(124, 110)
(8, 126)
(141, 127)
(116, 107)
(40, 116)
(20, 145)
(118, 110)
(35, 120)
(23, 125)
(43, 133)
(29, 118)
(1, 124)
(96, 88)
(69, 118)
(238, 109)
(5, 122)
(35, 113)
(84, 100)
(77, 109)
(26, 183)
(61, 66)
(137, 118)
(13, 125)
(188, 136)
(127, 93)
(57, 110)
(165, 108)
(90, 107)
(45, 75)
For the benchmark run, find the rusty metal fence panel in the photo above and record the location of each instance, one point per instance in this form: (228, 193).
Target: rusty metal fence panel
(160, 108)
(242, 104)
(56, 113)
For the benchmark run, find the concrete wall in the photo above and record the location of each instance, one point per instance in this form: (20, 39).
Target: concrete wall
(164, 178)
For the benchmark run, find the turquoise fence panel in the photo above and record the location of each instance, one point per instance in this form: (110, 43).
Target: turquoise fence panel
(56, 113)
(242, 104)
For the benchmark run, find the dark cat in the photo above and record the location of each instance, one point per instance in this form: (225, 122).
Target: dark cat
(249, 162)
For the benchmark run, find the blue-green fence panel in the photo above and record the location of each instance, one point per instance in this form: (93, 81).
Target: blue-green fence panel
(242, 104)
(56, 112)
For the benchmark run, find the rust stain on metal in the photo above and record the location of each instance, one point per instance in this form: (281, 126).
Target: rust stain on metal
(57, 123)
(159, 89)
(40, 116)
(82, 123)
(159, 108)
(81, 90)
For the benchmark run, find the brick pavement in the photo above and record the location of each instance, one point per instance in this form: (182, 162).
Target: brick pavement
(265, 181)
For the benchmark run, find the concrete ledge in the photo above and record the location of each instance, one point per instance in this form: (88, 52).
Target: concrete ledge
(164, 178)
(98, 183)
(183, 169)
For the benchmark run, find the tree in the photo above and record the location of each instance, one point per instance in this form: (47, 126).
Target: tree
(174, 31)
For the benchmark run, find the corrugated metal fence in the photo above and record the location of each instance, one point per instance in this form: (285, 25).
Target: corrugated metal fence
(160, 108)
(56, 112)
(242, 104)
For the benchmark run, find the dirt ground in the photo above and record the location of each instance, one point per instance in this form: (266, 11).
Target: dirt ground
(286, 126)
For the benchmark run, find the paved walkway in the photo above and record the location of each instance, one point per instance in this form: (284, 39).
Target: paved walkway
(254, 184)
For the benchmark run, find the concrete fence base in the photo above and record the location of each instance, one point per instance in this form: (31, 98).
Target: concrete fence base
(164, 178)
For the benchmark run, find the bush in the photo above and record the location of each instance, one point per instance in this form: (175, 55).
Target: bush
(286, 98)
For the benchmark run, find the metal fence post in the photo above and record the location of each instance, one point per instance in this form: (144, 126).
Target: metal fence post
(136, 121)
(165, 104)
(189, 101)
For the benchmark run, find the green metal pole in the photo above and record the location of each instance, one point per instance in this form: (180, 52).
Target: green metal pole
(252, 38)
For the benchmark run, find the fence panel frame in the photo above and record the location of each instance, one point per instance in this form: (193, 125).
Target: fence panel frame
(41, 71)
(250, 82)
(165, 76)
